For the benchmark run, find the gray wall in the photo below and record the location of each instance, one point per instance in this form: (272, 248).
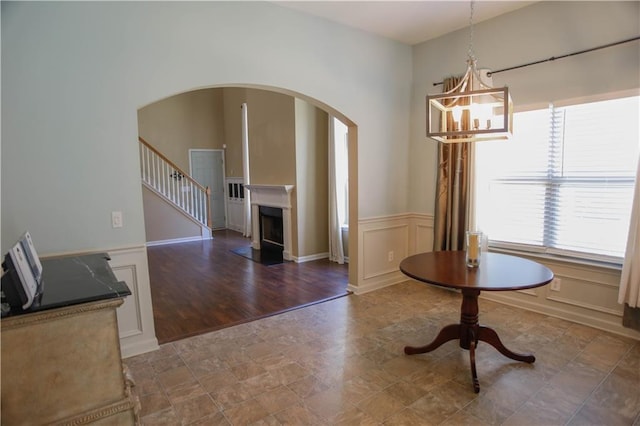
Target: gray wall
(74, 75)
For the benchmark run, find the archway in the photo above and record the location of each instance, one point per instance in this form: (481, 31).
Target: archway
(352, 152)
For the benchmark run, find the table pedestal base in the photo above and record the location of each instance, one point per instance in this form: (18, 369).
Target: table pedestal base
(469, 332)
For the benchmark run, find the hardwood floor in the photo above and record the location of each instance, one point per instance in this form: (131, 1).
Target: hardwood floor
(202, 286)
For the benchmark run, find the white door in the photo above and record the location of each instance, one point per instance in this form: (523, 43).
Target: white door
(207, 168)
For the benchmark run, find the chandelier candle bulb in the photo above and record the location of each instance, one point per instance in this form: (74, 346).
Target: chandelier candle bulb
(474, 241)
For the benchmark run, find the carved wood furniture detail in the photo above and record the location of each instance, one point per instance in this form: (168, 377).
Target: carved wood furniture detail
(63, 366)
(61, 359)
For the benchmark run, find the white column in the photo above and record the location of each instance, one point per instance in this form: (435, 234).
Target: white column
(286, 234)
(255, 224)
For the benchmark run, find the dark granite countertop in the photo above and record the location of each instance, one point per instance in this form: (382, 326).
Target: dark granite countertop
(72, 280)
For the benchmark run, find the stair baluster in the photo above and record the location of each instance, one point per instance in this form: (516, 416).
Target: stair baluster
(174, 185)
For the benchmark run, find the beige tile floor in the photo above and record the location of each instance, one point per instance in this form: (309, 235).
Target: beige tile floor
(342, 362)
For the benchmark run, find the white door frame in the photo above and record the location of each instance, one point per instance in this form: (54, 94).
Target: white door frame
(224, 177)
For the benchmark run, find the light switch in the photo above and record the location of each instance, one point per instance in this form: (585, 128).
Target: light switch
(116, 219)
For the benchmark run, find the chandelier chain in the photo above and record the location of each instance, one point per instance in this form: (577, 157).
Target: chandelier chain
(470, 51)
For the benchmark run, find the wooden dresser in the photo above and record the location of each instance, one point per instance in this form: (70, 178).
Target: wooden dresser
(61, 360)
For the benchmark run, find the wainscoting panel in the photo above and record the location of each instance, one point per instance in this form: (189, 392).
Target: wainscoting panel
(129, 318)
(592, 288)
(588, 293)
(135, 316)
(384, 249)
(530, 291)
(423, 235)
(383, 242)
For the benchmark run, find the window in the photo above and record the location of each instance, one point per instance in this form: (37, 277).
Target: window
(564, 184)
(341, 151)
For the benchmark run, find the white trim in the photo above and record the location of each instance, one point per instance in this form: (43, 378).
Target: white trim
(397, 216)
(381, 269)
(612, 326)
(598, 97)
(134, 324)
(587, 294)
(135, 315)
(578, 100)
(377, 283)
(272, 196)
(178, 240)
(549, 253)
(235, 205)
(404, 234)
(311, 257)
(589, 306)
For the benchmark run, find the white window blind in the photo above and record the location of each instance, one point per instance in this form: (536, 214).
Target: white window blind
(564, 183)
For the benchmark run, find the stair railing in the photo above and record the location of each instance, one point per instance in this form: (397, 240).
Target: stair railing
(175, 185)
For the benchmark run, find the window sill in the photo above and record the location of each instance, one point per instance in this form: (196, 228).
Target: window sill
(558, 259)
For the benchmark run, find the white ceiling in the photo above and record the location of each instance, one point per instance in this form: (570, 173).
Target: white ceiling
(409, 22)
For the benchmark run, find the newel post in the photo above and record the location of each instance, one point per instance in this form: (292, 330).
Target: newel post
(208, 192)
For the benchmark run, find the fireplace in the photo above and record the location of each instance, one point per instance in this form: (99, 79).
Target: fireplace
(271, 229)
(271, 216)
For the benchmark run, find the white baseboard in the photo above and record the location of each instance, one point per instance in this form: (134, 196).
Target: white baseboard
(378, 282)
(310, 258)
(139, 347)
(179, 240)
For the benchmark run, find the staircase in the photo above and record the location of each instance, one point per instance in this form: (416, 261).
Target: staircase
(175, 186)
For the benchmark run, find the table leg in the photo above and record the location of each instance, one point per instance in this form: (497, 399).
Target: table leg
(449, 332)
(469, 320)
(472, 358)
(469, 332)
(490, 336)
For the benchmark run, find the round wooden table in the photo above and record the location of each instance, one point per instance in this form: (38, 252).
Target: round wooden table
(497, 272)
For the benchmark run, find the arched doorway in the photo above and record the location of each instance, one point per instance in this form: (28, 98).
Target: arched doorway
(204, 104)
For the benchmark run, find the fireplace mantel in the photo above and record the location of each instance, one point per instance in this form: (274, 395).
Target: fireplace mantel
(271, 196)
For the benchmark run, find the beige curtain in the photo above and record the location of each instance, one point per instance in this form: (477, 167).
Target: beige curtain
(454, 190)
(337, 194)
(630, 280)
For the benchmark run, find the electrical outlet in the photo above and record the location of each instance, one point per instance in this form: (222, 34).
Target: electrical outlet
(390, 256)
(116, 219)
(555, 284)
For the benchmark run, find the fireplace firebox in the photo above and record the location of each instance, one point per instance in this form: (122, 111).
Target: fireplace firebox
(271, 229)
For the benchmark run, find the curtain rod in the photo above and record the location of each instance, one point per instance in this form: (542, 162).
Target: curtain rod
(553, 58)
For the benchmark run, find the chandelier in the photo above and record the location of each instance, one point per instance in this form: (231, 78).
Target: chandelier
(472, 111)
